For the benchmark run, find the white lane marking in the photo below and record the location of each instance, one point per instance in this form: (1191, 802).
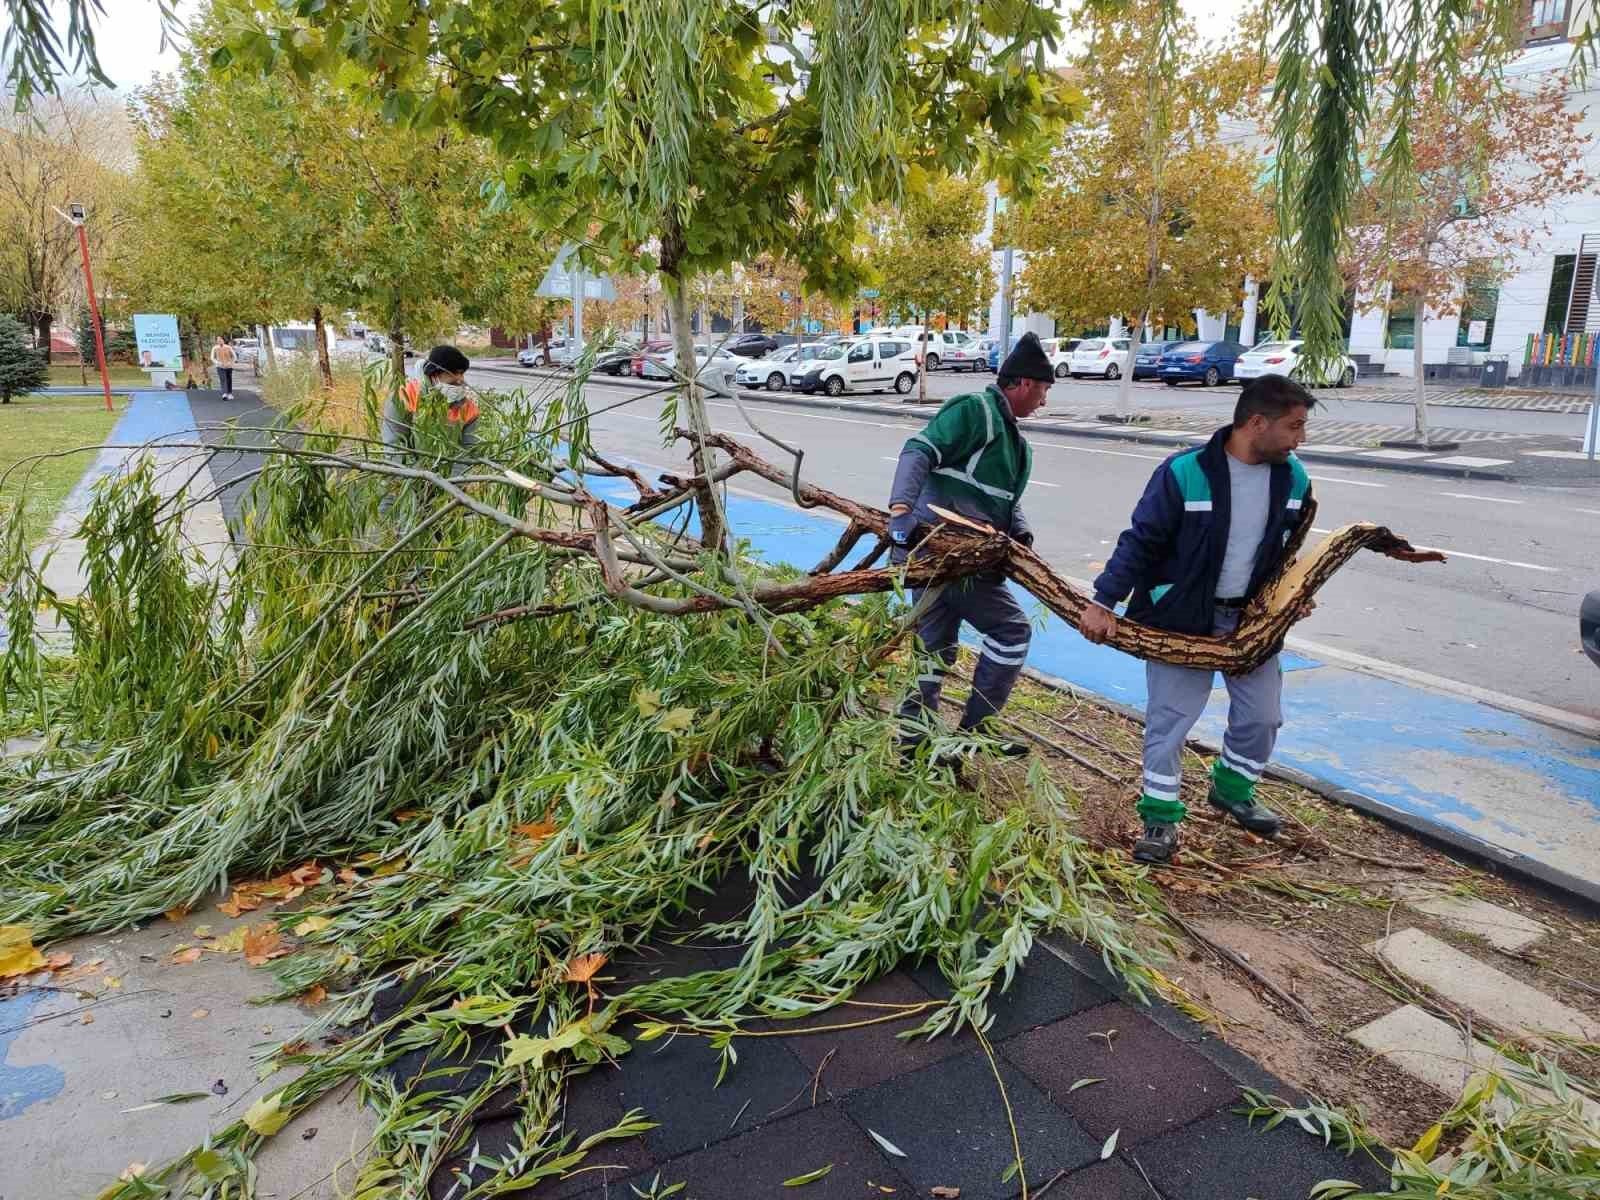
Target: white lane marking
(1041, 483)
(1504, 562)
(1351, 482)
(1593, 512)
(810, 416)
(1470, 496)
(1090, 450)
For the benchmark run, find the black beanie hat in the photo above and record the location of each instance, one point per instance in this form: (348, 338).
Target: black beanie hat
(445, 358)
(1028, 360)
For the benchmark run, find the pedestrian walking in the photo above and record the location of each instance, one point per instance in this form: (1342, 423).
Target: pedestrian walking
(223, 359)
(442, 380)
(971, 459)
(1213, 526)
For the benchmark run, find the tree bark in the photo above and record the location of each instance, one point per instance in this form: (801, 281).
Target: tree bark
(1125, 384)
(713, 530)
(44, 320)
(922, 374)
(1421, 399)
(320, 330)
(397, 354)
(264, 335)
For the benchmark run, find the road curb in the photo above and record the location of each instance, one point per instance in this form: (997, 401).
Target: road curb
(1119, 433)
(1552, 881)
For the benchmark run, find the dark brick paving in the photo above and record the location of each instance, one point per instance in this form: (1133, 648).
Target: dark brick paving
(789, 1107)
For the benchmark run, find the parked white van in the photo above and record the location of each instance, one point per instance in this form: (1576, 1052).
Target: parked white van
(866, 364)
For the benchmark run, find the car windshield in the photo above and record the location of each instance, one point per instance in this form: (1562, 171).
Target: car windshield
(830, 352)
(1187, 347)
(1091, 344)
(1274, 348)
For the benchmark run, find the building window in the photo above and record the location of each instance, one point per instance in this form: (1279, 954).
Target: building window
(1555, 306)
(1475, 330)
(1401, 331)
(1547, 19)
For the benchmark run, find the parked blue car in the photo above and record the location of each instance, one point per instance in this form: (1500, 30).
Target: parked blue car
(994, 350)
(1206, 363)
(1147, 363)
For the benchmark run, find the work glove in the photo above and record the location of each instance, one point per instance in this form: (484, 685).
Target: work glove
(1025, 536)
(905, 531)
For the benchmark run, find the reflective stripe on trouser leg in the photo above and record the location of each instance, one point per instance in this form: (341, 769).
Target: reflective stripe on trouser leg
(936, 637)
(1176, 698)
(986, 603)
(1255, 714)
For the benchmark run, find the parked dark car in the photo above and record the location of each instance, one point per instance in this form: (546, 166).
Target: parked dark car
(1205, 363)
(616, 361)
(1589, 626)
(752, 345)
(1147, 362)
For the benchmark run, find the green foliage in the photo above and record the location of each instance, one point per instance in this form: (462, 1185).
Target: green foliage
(22, 368)
(535, 790)
(723, 131)
(929, 259)
(1519, 1132)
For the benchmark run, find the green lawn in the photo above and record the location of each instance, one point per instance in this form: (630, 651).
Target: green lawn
(71, 377)
(32, 425)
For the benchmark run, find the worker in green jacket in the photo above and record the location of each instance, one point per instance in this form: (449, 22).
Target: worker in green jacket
(972, 459)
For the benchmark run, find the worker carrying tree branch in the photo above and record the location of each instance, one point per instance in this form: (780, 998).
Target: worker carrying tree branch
(1214, 525)
(971, 459)
(442, 379)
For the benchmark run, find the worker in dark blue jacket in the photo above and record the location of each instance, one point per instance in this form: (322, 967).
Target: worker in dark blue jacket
(1214, 525)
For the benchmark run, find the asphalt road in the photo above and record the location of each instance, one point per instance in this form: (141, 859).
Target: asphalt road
(1500, 615)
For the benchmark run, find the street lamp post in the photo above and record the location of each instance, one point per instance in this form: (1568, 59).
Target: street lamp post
(75, 216)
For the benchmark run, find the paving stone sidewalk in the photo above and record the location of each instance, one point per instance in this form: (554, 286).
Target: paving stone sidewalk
(1508, 399)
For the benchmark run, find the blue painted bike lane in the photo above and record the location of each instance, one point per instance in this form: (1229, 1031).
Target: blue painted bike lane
(1518, 792)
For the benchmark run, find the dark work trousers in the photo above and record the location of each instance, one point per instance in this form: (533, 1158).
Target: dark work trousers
(985, 602)
(225, 378)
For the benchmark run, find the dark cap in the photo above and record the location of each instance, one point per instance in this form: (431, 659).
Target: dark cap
(445, 358)
(1028, 360)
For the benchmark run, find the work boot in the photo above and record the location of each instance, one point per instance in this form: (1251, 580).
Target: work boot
(1000, 743)
(908, 744)
(1158, 844)
(1257, 818)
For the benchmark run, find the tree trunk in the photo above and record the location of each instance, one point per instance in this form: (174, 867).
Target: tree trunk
(1125, 384)
(397, 354)
(1421, 430)
(199, 360)
(922, 374)
(713, 528)
(324, 367)
(264, 335)
(43, 320)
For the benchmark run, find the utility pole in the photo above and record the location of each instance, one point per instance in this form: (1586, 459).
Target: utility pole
(75, 216)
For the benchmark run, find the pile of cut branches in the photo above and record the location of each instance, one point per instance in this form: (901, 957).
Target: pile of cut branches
(450, 682)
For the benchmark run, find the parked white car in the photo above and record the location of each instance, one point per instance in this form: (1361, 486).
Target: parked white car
(805, 358)
(713, 364)
(536, 355)
(767, 372)
(1283, 358)
(869, 364)
(1105, 357)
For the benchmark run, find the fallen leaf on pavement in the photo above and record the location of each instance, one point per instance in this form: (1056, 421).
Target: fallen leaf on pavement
(263, 943)
(239, 903)
(200, 1013)
(174, 1098)
(231, 942)
(112, 981)
(808, 1177)
(1110, 1147)
(192, 954)
(177, 914)
(266, 1116)
(583, 968)
(313, 996)
(888, 1146)
(945, 1193)
(290, 1049)
(202, 931)
(81, 971)
(58, 960)
(1106, 1035)
(17, 953)
(1078, 1083)
(88, 1019)
(312, 925)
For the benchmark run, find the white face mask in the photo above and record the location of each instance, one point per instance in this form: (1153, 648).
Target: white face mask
(455, 393)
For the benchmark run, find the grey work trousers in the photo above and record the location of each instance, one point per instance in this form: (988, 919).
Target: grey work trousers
(985, 602)
(1176, 698)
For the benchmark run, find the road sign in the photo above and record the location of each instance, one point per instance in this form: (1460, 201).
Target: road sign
(558, 279)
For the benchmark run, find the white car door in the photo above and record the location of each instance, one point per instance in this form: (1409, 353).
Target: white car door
(860, 366)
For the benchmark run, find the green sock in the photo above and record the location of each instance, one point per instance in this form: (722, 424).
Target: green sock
(1166, 812)
(1235, 790)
